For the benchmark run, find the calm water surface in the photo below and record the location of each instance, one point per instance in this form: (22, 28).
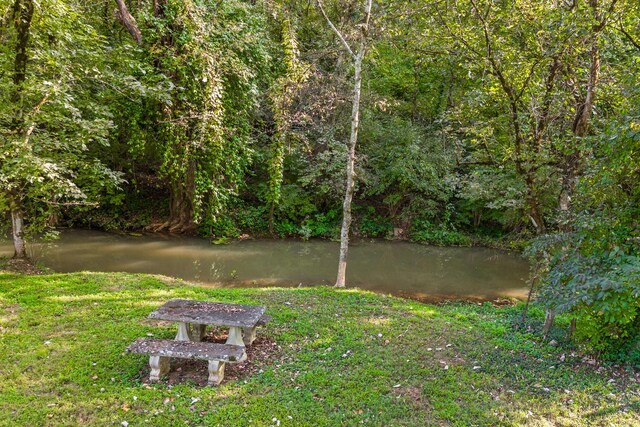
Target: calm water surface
(399, 268)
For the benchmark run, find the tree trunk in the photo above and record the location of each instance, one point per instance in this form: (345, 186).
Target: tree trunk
(532, 285)
(351, 159)
(533, 200)
(572, 328)
(571, 161)
(355, 120)
(548, 322)
(123, 15)
(17, 223)
(271, 213)
(181, 208)
(22, 15)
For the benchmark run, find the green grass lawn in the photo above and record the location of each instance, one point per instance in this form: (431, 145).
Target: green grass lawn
(328, 357)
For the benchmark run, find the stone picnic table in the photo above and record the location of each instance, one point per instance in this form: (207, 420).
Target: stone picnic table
(194, 316)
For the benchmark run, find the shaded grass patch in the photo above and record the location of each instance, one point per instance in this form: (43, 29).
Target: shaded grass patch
(328, 357)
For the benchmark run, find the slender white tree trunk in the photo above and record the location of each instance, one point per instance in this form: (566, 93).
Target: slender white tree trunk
(17, 221)
(353, 139)
(351, 174)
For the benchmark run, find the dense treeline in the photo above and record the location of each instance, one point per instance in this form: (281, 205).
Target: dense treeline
(480, 120)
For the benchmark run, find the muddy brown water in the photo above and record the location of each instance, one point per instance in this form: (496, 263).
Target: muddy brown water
(400, 268)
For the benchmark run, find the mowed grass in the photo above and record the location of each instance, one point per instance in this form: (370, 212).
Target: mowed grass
(329, 358)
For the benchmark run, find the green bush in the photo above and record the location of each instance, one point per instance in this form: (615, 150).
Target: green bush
(602, 290)
(594, 276)
(424, 231)
(221, 226)
(371, 224)
(285, 228)
(325, 225)
(253, 219)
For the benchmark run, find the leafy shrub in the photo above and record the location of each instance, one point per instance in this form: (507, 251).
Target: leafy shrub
(221, 226)
(252, 219)
(602, 291)
(371, 224)
(295, 204)
(322, 225)
(285, 228)
(426, 232)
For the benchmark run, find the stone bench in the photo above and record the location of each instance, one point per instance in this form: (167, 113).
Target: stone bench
(160, 352)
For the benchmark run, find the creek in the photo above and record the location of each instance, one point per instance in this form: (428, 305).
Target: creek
(399, 268)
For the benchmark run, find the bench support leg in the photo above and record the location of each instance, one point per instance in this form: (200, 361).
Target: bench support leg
(216, 372)
(159, 367)
(249, 335)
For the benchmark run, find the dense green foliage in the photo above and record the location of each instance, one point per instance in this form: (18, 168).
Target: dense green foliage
(380, 361)
(481, 120)
(55, 116)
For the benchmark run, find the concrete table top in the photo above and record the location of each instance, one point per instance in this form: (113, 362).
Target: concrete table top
(209, 313)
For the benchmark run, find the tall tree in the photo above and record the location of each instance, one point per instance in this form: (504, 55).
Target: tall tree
(357, 58)
(50, 113)
(212, 58)
(584, 86)
(22, 16)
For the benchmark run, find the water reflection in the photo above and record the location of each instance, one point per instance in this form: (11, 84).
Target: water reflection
(393, 267)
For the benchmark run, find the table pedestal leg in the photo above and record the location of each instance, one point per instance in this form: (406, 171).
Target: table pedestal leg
(197, 332)
(235, 338)
(190, 332)
(249, 335)
(184, 333)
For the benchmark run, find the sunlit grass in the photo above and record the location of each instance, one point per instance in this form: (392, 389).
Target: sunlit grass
(345, 357)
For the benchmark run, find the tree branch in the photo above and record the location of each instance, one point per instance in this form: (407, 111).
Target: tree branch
(605, 16)
(123, 15)
(35, 111)
(629, 37)
(365, 29)
(52, 203)
(336, 31)
(543, 121)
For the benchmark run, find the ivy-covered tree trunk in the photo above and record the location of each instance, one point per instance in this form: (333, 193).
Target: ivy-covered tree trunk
(181, 209)
(22, 15)
(283, 95)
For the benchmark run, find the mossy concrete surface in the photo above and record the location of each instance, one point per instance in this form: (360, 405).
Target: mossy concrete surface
(327, 358)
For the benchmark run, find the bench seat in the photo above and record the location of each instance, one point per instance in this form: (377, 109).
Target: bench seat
(160, 352)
